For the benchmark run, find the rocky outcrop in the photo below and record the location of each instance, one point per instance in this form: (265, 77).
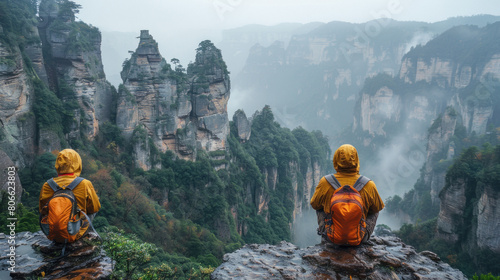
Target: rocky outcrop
(377, 110)
(383, 258)
(74, 69)
(243, 125)
(440, 150)
(37, 257)
(451, 216)
(470, 232)
(179, 112)
(487, 212)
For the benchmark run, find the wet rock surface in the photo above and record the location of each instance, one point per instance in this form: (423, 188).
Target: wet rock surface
(383, 258)
(37, 257)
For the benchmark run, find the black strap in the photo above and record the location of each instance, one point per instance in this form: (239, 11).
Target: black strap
(333, 181)
(360, 183)
(55, 187)
(75, 183)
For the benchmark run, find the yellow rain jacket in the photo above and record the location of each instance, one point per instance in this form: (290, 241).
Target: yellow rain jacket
(68, 167)
(346, 163)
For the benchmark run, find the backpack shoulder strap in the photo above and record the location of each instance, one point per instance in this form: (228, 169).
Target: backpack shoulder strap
(333, 181)
(53, 185)
(361, 182)
(75, 183)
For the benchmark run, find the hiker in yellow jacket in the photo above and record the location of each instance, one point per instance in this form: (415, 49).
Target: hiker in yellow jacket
(69, 166)
(346, 163)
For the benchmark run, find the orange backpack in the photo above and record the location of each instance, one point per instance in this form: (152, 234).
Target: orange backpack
(345, 225)
(60, 218)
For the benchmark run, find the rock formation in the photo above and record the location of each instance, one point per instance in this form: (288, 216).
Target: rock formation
(457, 226)
(17, 124)
(37, 257)
(383, 258)
(69, 65)
(440, 148)
(243, 125)
(74, 69)
(179, 112)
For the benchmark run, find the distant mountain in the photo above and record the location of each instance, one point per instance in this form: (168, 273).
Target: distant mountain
(237, 42)
(313, 79)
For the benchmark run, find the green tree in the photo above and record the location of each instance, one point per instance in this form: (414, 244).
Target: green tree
(128, 252)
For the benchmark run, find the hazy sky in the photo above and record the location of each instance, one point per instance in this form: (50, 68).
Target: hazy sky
(131, 15)
(179, 25)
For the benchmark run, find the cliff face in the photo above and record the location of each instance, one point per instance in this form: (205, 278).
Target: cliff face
(17, 124)
(453, 224)
(451, 216)
(468, 202)
(383, 258)
(56, 52)
(177, 111)
(74, 68)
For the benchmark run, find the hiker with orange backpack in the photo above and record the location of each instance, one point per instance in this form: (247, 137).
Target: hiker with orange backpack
(68, 203)
(347, 204)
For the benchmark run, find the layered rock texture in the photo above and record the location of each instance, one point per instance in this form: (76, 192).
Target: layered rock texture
(51, 51)
(36, 257)
(17, 123)
(384, 258)
(469, 213)
(431, 78)
(74, 68)
(164, 109)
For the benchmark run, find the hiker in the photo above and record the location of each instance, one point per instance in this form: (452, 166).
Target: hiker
(341, 220)
(61, 219)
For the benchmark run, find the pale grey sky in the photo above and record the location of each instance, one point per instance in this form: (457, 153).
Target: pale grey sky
(179, 25)
(127, 15)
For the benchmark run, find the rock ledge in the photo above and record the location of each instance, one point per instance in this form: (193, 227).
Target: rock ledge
(384, 258)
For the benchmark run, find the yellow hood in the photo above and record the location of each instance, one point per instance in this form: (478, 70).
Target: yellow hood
(346, 159)
(69, 161)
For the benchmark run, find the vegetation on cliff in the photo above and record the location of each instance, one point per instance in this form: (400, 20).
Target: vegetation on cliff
(478, 168)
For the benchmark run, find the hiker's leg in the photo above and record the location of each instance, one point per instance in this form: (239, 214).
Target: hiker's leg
(321, 221)
(371, 221)
(321, 215)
